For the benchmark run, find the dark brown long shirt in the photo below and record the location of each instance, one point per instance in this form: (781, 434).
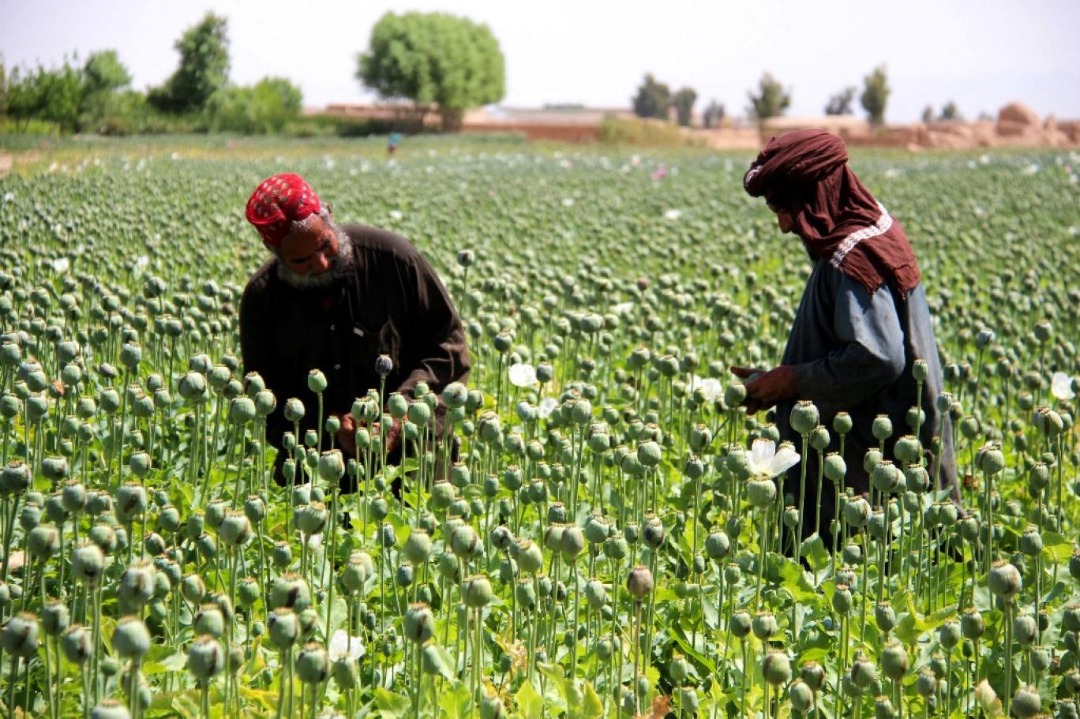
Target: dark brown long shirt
(393, 304)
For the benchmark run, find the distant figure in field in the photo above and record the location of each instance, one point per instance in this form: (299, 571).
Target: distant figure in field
(862, 323)
(336, 298)
(392, 143)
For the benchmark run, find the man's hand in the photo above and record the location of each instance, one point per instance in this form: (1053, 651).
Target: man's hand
(346, 434)
(765, 389)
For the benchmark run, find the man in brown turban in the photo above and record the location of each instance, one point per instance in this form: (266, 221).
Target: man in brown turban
(862, 323)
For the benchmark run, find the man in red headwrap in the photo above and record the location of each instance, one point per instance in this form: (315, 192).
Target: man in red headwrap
(336, 298)
(862, 323)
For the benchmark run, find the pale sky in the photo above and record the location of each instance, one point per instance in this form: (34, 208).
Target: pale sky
(980, 54)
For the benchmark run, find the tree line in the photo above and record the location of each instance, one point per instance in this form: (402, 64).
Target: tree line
(654, 99)
(420, 63)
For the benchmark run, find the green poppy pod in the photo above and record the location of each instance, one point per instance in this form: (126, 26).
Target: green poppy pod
(885, 616)
(209, 620)
(761, 492)
(571, 541)
(294, 410)
(311, 518)
(131, 639)
(894, 661)
(283, 627)
(417, 549)
(88, 563)
(43, 542)
(764, 625)
(419, 623)
(476, 591)
(639, 582)
(804, 417)
(19, 637)
(776, 668)
(1004, 580)
(192, 386)
(206, 659)
(1027, 702)
(76, 644)
(801, 696)
(813, 674)
(290, 591)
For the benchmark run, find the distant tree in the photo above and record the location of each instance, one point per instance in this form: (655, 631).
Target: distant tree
(103, 72)
(950, 112)
(875, 95)
(840, 103)
(103, 77)
(653, 99)
(204, 68)
(436, 60)
(684, 100)
(50, 95)
(261, 109)
(3, 88)
(772, 99)
(713, 115)
(927, 114)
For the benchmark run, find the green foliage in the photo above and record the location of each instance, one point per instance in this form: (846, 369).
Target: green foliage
(264, 108)
(103, 72)
(875, 95)
(653, 99)
(51, 95)
(683, 100)
(950, 112)
(645, 132)
(840, 103)
(771, 99)
(203, 70)
(713, 115)
(436, 60)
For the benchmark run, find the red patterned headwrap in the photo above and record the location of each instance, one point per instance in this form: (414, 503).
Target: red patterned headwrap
(278, 202)
(805, 172)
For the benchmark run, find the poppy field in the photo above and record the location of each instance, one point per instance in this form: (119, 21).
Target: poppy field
(613, 539)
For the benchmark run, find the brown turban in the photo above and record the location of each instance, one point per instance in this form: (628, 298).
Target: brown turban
(805, 172)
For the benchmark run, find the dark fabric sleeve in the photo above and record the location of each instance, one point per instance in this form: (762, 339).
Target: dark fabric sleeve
(433, 339)
(870, 356)
(258, 352)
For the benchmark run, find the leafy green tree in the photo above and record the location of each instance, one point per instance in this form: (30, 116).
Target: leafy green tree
(103, 72)
(771, 100)
(438, 61)
(204, 68)
(840, 103)
(264, 108)
(684, 100)
(950, 112)
(3, 89)
(50, 95)
(653, 99)
(103, 77)
(928, 114)
(875, 95)
(713, 115)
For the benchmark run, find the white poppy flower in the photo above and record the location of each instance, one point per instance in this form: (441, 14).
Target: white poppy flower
(522, 375)
(314, 541)
(672, 214)
(141, 262)
(1061, 386)
(765, 460)
(546, 407)
(568, 202)
(61, 265)
(341, 646)
(622, 308)
(710, 388)
(395, 214)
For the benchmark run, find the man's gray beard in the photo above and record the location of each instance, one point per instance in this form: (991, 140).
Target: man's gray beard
(340, 267)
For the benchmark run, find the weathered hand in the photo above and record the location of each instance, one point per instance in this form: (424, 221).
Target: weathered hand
(767, 388)
(346, 434)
